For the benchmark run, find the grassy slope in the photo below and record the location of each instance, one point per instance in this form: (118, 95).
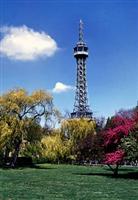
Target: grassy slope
(65, 182)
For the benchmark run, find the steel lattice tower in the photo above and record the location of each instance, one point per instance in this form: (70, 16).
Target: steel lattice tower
(81, 107)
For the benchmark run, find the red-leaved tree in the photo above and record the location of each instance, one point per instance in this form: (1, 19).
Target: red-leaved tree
(121, 125)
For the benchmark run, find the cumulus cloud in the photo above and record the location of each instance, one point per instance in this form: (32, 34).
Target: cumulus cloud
(23, 43)
(61, 87)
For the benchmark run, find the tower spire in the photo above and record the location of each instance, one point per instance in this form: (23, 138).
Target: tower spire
(81, 31)
(81, 107)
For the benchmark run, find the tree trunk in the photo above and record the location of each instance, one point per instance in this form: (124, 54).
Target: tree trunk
(116, 170)
(6, 156)
(15, 154)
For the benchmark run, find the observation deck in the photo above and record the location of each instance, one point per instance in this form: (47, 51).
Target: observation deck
(81, 50)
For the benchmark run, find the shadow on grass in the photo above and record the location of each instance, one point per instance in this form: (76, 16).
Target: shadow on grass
(130, 175)
(41, 167)
(26, 167)
(123, 169)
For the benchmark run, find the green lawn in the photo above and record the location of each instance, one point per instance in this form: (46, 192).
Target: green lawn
(68, 182)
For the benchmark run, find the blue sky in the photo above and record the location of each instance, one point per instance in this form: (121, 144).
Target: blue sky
(110, 31)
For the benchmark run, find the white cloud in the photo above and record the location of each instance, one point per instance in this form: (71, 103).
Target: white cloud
(23, 43)
(60, 87)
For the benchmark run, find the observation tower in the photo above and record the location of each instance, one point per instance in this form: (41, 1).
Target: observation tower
(81, 107)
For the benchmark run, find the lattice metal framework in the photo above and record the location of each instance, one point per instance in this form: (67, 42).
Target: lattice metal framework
(81, 107)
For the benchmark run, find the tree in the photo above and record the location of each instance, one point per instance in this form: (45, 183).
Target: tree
(54, 147)
(18, 112)
(130, 143)
(76, 132)
(31, 145)
(119, 140)
(90, 147)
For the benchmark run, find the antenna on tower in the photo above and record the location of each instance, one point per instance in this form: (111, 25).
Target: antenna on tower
(81, 31)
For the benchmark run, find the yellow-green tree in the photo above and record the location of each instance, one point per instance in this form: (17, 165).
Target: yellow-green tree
(19, 111)
(54, 147)
(75, 131)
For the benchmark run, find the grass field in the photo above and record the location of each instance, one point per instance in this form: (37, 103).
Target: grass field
(68, 182)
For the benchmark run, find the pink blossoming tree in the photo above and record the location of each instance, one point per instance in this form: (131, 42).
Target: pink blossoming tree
(121, 126)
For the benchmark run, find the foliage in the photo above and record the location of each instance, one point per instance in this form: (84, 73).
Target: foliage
(130, 146)
(20, 116)
(90, 148)
(130, 143)
(77, 132)
(120, 139)
(54, 148)
(114, 157)
(78, 140)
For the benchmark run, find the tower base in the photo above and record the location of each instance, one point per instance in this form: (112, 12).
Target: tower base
(81, 115)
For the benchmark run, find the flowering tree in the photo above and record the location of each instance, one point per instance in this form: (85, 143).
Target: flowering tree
(130, 143)
(122, 127)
